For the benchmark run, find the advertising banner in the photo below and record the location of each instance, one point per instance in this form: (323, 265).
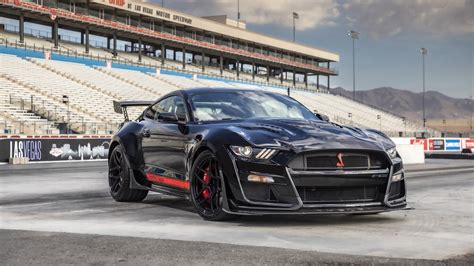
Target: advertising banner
(423, 142)
(54, 149)
(469, 143)
(453, 144)
(437, 144)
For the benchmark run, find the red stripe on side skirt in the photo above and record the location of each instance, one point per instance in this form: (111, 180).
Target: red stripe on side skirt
(168, 181)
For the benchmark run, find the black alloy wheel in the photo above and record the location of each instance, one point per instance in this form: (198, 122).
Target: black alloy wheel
(119, 178)
(207, 188)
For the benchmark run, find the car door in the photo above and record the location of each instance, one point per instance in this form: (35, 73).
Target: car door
(163, 143)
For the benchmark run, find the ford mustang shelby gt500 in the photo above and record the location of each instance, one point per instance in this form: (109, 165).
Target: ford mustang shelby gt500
(248, 152)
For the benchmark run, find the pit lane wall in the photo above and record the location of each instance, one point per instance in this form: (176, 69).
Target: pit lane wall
(54, 148)
(438, 144)
(94, 147)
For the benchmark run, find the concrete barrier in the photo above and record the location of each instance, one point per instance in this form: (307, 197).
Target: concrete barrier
(411, 154)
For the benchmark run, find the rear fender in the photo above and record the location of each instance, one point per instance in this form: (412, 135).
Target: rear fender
(129, 137)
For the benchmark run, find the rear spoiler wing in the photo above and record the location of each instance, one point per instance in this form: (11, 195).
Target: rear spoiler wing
(121, 107)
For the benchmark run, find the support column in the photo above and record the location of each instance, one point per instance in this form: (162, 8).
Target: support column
(108, 43)
(87, 40)
(317, 82)
(54, 34)
(268, 73)
(174, 55)
(329, 84)
(294, 77)
(163, 54)
(22, 28)
(184, 57)
(221, 64)
(82, 37)
(114, 47)
(139, 50)
(202, 62)
(306, 80)
(237, 68)
(281, 75)
(253, 71)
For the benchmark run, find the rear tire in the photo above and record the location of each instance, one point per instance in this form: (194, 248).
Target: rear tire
(206, 188)
(119, 179)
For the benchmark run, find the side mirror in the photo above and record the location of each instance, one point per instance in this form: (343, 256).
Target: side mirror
(322, 117)
(167, 117)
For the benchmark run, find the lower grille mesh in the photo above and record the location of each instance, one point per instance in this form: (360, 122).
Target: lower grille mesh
(337, 194)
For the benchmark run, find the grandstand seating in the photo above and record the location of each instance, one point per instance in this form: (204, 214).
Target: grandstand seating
(40, 84)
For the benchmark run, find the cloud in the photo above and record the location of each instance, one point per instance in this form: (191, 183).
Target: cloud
(312, 13)
(379, 18)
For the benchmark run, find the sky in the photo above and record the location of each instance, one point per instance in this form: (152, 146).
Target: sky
(391, 35)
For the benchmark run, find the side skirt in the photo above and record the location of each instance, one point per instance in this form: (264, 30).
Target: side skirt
(157, 188)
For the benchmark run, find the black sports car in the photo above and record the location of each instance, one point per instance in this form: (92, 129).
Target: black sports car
(249, 152)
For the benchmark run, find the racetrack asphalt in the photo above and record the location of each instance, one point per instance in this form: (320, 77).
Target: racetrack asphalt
(62, 214)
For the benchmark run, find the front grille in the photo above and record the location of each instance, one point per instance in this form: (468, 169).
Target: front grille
(328, 161)
(340, 160)
(340, 176)
(338, 194)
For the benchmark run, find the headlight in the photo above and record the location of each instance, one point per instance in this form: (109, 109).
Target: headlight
(392, 152)
(242, 151)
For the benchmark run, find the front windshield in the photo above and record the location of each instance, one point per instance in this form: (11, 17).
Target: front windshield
(230, 105)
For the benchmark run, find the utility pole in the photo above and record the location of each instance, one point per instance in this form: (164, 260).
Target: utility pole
(354, 35)
(424, 52)
(470, 123)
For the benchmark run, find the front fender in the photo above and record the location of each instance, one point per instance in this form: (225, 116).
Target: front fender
(218, 141)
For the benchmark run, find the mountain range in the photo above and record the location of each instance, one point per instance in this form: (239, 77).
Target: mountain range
(409, 104)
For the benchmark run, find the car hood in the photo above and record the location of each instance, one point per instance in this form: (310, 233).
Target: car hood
(303, 135)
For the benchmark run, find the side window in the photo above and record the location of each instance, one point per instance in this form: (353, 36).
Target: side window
(173, 104)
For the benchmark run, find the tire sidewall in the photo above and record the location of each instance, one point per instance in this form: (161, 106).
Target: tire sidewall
(221, 214)
(125, 178)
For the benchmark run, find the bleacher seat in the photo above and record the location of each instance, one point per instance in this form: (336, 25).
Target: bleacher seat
(42, 83)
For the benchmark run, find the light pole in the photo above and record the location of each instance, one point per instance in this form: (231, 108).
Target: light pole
(470, 104)
(66, 101)
(295, 17)
(238, 13)
(354, 35)
(444, 125)
(424, 52)
(162, 3)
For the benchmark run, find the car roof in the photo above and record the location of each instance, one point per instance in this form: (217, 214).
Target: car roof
(191, 91)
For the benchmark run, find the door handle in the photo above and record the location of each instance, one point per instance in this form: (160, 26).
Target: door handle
(146, 133)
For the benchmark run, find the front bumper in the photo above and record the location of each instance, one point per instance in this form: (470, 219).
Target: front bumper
(340, 192)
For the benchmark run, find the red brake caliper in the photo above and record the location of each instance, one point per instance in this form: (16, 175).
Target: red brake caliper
(206, 179)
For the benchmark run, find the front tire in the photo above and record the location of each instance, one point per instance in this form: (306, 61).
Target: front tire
(207, 184)
(119, 179)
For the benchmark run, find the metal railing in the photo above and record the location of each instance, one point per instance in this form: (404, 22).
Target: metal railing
(57, 118)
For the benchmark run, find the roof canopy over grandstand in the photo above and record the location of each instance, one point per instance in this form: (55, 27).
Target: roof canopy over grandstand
(153, 30)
